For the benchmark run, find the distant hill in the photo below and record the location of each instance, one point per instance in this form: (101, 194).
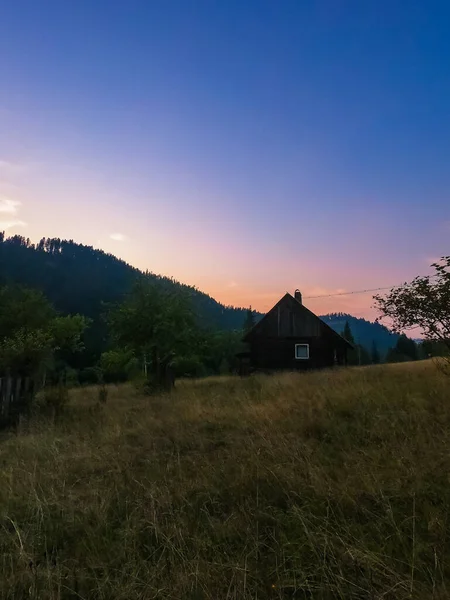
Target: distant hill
(81, 279)
(365, 332)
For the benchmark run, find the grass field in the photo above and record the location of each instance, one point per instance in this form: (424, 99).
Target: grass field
(323, 485)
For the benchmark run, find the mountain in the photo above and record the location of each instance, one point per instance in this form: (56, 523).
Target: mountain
(365, 332)
(80, 279)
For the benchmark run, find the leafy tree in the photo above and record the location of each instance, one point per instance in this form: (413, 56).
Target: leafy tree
(118, 365)
(189, 366)
(79, 279)
(32, 337)
(155, 323)
(23, 309)
(26, 352)
(375, 355)
(218, 350)
(424, 304)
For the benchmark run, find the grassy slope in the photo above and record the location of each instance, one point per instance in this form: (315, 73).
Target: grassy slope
(333, 484)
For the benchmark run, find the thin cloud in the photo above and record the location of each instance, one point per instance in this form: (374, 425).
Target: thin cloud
(6, 165)
(12, 224)
(232, 284)
(8, 206)
(118, 237)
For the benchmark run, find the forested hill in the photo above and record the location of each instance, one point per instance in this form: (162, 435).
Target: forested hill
(80, 279)
(364, 332)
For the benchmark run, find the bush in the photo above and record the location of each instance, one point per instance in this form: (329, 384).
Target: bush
(118, 366)
(90, 376)
(189, 366)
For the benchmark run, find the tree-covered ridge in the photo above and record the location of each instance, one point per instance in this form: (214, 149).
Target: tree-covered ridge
(79, 279)
(364, 332)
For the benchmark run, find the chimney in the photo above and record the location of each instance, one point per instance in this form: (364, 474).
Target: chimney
(298, 296)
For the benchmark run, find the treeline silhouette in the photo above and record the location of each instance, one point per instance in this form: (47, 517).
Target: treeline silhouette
(79, 279)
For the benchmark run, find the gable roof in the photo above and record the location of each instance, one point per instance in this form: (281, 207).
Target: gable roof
(300, 307)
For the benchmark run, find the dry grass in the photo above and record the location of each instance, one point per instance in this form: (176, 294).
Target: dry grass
(324, 485)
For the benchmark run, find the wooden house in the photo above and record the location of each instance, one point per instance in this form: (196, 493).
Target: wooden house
(291, 337)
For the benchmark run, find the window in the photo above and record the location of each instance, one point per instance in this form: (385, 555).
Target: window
(302, 351)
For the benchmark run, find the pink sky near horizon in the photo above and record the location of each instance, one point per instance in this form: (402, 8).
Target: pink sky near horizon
(53, 192)
(246, 148)
(216, 262)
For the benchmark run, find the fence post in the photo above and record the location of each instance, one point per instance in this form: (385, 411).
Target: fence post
(16, 397)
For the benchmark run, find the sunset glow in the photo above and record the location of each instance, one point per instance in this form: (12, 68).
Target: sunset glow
(239, 156)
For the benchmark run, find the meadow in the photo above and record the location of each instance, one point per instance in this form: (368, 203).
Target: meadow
(323, 485)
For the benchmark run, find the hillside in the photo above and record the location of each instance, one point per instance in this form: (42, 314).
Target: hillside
(81, 279)
(329, 485)
(365, 332)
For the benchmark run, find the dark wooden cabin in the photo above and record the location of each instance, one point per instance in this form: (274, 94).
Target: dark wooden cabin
(291, 337)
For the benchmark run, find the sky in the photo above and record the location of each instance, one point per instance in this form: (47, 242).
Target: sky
(247, 147)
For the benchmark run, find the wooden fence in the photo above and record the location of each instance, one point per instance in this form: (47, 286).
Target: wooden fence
(16, 395)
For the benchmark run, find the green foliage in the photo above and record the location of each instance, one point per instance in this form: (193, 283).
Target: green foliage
(23, 309)
(32, 337)
(189, 366)
(218, 348)
(118, 365)
(154, 322)
(78, 279)
(90, 376)
(405, 350)
(25, 352)
(424, 304)
(67, 332)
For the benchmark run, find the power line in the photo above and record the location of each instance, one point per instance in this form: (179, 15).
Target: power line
(350, 293)
(379, 289)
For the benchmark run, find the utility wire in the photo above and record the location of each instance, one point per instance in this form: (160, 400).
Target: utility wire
(350, 293)
(379, 289)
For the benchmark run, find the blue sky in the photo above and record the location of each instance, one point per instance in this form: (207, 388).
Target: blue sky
(245, 147)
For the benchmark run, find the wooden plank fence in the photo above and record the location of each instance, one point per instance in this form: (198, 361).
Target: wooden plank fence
(16, 395)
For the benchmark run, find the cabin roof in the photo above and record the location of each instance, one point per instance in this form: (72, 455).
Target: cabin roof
(299, 307)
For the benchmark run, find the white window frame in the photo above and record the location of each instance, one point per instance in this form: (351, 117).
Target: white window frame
(302, 357)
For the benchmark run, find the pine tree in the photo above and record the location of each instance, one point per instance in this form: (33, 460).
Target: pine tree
(404, 350)
(347, 333)
(250, 321)
(375, 355)
(353, 355)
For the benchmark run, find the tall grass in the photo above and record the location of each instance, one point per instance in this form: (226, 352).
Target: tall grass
(324, 485)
